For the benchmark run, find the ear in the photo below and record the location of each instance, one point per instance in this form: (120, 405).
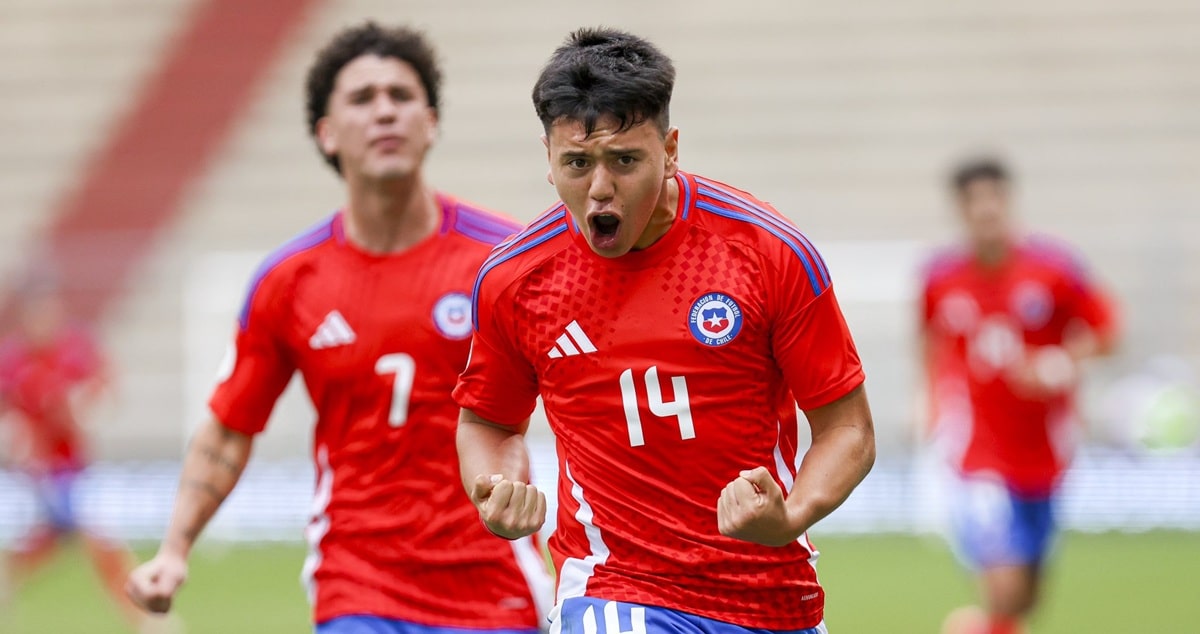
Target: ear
(549, 172)
(433, 125)
(326, 139)
(671, 160)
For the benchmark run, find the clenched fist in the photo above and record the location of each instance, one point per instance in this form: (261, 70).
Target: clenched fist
(509, 509)
(153, 584)
(752, 508)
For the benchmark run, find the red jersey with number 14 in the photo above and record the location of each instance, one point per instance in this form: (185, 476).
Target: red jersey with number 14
(379, 341)
(664, 373)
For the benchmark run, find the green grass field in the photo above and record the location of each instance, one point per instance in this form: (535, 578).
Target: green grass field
(1099, 584)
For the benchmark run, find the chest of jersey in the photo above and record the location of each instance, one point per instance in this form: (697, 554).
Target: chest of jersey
(991, 317)
(370, 326)
(658, 354)
(1029, 298)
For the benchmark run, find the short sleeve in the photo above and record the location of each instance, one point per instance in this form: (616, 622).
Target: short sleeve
(257, 367)
(499, 384)
(1091, 304)
(811, 341)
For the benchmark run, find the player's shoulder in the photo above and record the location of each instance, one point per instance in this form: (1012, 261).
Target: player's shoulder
(282, 264)
(739, 216)
(478, 223)
(1053, 253)
(538, 241)
(944, 262)
(520, 253)
(298, 248)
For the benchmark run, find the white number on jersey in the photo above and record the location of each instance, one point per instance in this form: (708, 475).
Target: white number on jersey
(405, 369)
(637, 620)
(680, 408)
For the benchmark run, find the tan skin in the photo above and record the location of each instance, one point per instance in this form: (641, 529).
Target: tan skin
(1010, 591)
(380, 126)
(629, 175)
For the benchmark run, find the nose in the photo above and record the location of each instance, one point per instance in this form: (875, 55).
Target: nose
(602, 186)
(384, 107)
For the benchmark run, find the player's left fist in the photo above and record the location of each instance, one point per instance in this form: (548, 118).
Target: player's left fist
(752, 508)
(509, 509)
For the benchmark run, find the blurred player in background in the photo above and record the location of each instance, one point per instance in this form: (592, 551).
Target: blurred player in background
(671, 324)
(52, 372)
(372, 308)
(1007, 320)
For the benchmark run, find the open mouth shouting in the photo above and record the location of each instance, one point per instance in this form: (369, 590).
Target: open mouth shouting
(604, 227)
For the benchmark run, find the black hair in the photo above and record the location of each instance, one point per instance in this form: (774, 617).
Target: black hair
(601, 72)
(405, 44)
(983, 168)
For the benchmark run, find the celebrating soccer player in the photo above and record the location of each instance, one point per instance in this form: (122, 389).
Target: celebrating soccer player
(51, 371)
(1007, 319)
(671, 324)
(372, 307)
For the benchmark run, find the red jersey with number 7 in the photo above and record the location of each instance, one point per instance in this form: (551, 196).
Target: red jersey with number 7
(664, 373)
(379, 341)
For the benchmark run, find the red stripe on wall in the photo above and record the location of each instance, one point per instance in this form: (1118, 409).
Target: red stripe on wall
(134, 185)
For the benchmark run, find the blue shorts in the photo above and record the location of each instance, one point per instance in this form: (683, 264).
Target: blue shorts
(55, 495)
(993, 526)
(367, 624)
(579, 615)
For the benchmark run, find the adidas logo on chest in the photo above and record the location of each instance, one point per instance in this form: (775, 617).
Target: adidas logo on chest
(572, 342)
(333, 332)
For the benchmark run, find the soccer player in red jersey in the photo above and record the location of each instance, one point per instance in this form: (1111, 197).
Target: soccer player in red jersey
(671, 324)
(51, 372)
(372, 308)
(1007, 319)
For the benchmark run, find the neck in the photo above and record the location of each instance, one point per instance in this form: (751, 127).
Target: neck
(663, 216)
(991, 253)
(390, 216)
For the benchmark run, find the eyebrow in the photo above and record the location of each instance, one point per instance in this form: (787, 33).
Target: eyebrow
(607, 152)
(372, 86)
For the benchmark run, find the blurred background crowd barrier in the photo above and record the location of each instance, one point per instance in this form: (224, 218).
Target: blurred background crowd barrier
(155, 150)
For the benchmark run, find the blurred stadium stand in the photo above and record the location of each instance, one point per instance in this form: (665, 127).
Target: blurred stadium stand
(844, 115)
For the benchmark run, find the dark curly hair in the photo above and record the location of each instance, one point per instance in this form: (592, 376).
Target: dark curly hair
(405, 44)
(976, 169)
(602, 72)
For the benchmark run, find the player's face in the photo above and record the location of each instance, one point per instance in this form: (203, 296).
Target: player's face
(378, 121)
(615, 184)
(984, 205)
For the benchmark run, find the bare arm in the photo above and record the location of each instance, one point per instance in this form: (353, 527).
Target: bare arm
(841, 455)
(485, 449)
(494, 465)
(753, 507)
(214, 462)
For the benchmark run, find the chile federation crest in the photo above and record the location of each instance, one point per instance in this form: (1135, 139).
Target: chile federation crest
(452, 316)
(715, 319)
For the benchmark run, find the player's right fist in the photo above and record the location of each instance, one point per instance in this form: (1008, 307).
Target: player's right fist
(152, 585)
(509, 509)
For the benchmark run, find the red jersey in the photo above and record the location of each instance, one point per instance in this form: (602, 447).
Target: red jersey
(379, 341)
(664, 373)
(38, 383)
(981, 321)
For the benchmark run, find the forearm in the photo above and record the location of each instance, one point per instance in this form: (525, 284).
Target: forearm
(841, 455)
(485, 449)
(214, 462)
(831, 469)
